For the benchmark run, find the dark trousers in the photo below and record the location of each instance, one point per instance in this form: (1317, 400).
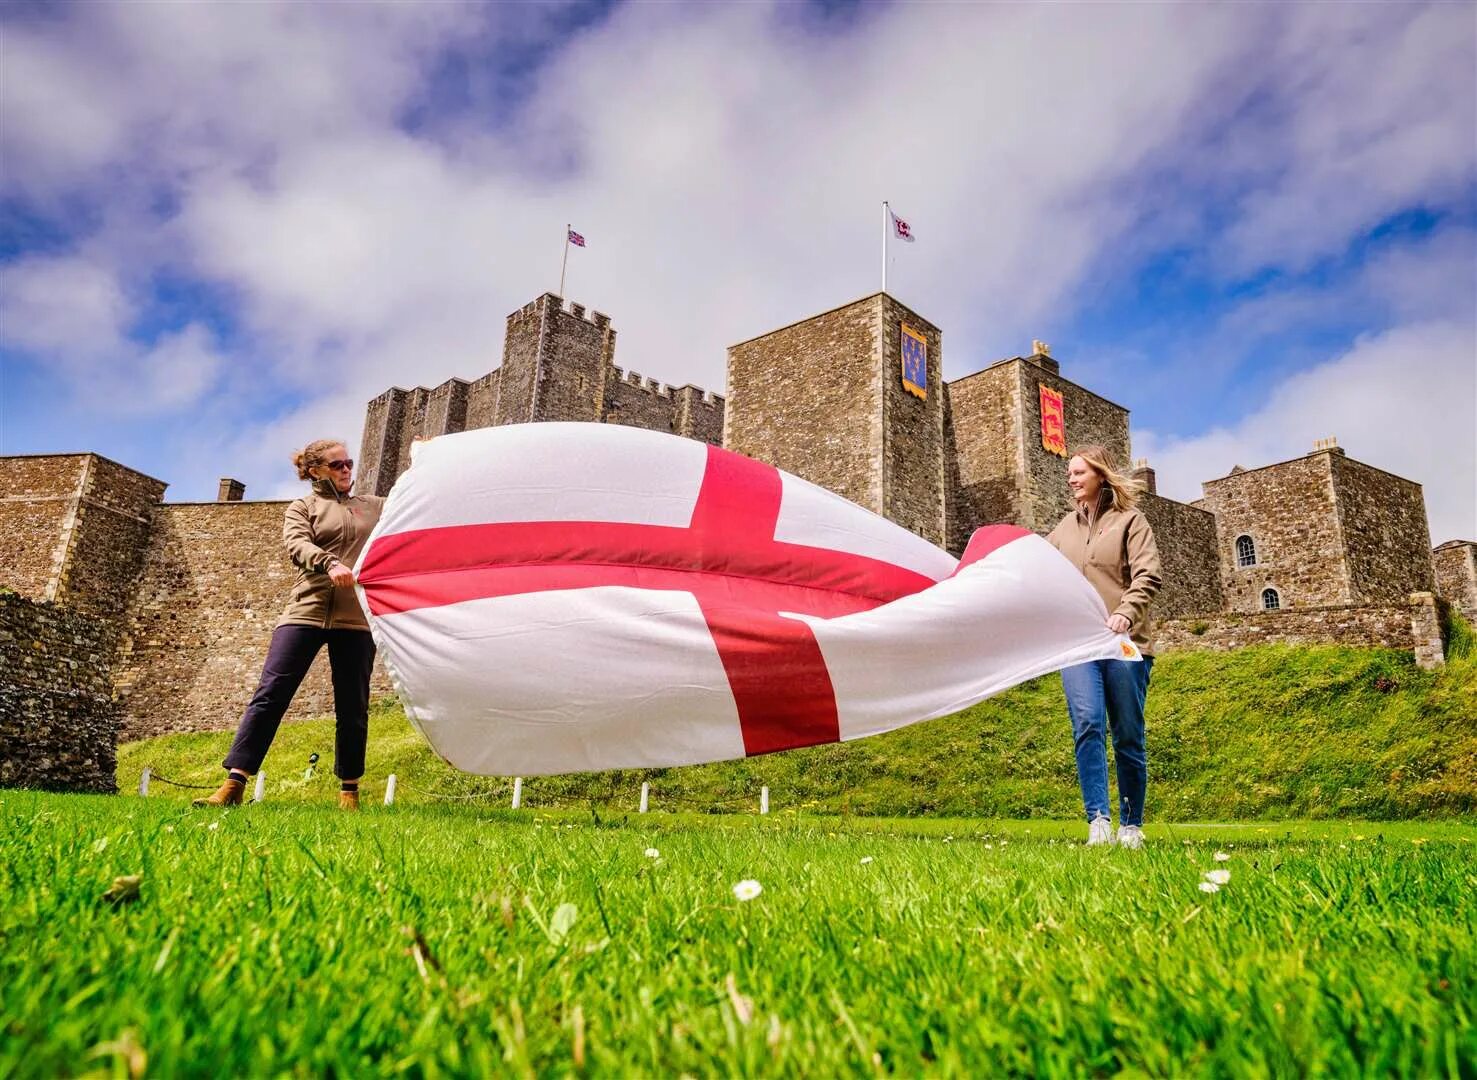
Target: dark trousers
(350, 658)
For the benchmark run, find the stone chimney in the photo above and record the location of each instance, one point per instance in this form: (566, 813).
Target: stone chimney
(1145, 475)
(1330, 444)
(230, 490)
(1041, 356)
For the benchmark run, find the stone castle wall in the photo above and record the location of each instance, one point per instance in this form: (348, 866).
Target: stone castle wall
(1289, 512)
(558, 364)
(58, 720)
(1455, 566)
(38, 497)
(1186, 537)
(1412, 626)
(1046, 499)
(982, 446)
(1387, 542)
(108, 538)
(214, 581)
(912, 463)
(807, 398)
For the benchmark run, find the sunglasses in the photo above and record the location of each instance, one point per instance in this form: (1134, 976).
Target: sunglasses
(347, 463)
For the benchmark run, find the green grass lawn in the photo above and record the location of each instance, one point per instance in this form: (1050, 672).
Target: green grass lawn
(1263, 733)
(454, 940)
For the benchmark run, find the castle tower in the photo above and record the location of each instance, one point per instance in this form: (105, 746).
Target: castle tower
(555, 363)
(1011, 427)
(826, 399)
(1319, 530)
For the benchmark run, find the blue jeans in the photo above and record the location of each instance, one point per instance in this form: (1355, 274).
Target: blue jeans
(1102, 695)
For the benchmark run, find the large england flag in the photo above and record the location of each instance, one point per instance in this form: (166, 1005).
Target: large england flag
(555, 597)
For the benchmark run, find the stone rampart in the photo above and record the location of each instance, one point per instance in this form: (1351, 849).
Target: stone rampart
(1412, 626)
(214, 582)
(58, 720)
(1185, 536)
(1455, 563)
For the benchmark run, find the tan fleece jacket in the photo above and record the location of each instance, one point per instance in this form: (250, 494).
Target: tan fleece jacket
(318, 529)
(1116, 552)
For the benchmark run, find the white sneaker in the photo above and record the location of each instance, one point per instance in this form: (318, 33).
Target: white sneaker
(1131, 836)
(1099, 832)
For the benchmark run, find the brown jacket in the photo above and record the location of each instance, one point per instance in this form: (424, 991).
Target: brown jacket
(1116, 553)
(318, 529)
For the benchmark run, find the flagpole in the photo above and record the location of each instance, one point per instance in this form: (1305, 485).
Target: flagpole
(884, 245)
(564, 265)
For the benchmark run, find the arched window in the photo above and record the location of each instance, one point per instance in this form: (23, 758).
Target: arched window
(1270, 600)
(1245, 551)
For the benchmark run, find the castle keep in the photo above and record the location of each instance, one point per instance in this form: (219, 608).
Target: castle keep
(558, 364)
(125, 615)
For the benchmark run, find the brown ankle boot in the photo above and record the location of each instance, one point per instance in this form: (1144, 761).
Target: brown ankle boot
(228, 794)
(348, 800)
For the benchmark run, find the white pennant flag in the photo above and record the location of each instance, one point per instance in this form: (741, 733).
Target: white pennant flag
(900, 228)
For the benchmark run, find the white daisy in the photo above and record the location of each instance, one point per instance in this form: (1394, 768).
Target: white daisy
(1218, 877)
(1209, 886)
(866, 859)
(747, 889)
(652, 853)
(1221, 856)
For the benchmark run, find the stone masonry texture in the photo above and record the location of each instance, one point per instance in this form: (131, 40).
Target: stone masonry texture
(1186, 539)
(824, 399)
(58, 720)
(1387, 542)
(214, 582)
(806, 399)
(1455, 563)
(38, 497)
(558, 364)
(1324, 529)
(1387, 625)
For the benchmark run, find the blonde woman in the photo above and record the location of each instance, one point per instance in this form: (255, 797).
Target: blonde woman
(1110, 541)
(324, 532)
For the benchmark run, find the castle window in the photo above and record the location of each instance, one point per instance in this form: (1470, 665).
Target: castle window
(1270, 600)
(1245, 551)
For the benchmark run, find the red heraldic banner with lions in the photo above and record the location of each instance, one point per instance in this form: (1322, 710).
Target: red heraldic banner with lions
(1053, 421)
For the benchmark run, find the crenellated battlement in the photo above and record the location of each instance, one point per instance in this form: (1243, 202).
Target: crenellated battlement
(643, 383)
(558, 363)
(559, 305)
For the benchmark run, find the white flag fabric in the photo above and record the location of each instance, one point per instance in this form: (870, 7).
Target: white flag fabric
(561, 597)
(900, 228)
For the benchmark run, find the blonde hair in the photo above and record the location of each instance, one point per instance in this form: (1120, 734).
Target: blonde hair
(313, 456)
(1125, 489)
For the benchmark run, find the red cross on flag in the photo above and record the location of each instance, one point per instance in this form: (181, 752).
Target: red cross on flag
(554, 598)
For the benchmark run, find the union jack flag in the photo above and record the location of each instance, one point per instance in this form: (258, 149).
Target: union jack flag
(576, 239)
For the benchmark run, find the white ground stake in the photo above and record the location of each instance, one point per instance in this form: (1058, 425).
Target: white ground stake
(645, 796)
(143, 782)
(261, 788)
(517, 792)
(764, 800)
(390, 790)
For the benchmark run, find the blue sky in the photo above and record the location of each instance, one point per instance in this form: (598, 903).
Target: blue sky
(224, 228)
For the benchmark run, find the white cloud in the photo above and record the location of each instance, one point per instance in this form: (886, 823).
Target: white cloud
(726, 166)
(73, 314)
(1404, 400)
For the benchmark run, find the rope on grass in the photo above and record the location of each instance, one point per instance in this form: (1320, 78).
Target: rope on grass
(450, 798)
(175, 783)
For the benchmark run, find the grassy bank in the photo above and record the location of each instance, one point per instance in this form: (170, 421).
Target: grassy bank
(450, 941)
(1263, 733)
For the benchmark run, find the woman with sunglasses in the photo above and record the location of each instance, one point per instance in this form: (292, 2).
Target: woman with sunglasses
(324, 532)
